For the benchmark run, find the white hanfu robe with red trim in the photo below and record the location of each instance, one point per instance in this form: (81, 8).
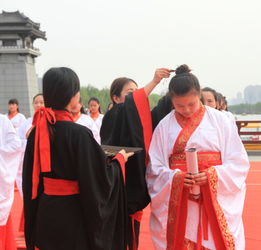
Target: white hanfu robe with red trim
(9, 146)
(215, 133)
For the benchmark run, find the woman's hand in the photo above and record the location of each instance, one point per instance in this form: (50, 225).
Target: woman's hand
(160, 74)
(28, 132)
(189, 181)
(126, 155)
(195, 179)
(200, 178)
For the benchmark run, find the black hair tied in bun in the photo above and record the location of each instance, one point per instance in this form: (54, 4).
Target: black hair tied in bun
(184, 68)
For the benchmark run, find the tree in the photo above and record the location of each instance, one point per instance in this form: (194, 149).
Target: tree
(104, 97)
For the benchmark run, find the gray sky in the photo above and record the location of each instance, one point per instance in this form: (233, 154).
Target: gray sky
(101, 40)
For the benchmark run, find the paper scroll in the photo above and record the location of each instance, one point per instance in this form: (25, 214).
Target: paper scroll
(192, 168)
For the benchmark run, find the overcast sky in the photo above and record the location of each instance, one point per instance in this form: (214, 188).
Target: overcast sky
(101, 40)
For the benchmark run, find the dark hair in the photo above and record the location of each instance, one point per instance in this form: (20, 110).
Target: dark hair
(14, 101)
(117, 86)
(95, 99)
(40, 94)
(59, 86)
(219, 99)
(183, 82)
(82, 109)
(214, 92)
(225, 102)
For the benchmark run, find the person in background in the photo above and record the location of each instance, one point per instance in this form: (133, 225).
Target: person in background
(209, 97)
(212, 218)
(80, 117)
(23, 132)
(14, 114)
(74, 198)
(219, 100)
(10, 147)
(224, 110)
(95, 112)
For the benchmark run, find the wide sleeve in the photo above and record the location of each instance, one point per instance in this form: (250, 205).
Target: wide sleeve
(12, 143)
(30, 205)
(159, 179)
(136, 131)
(230, 180)
(102, 194)
(129, 124)
(9, 152)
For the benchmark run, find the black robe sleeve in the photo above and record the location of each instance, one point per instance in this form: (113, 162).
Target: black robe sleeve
(102, 193)
(30, 206)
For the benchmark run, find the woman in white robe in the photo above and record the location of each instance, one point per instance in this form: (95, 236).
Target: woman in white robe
(14, 115)
(10, 145)
(179, 220)
(95, 113)
(81, 118)
(23, 132)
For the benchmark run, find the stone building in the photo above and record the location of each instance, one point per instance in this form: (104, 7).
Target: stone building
(18, 78)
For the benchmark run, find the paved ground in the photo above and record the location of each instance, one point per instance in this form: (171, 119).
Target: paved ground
(252, 212)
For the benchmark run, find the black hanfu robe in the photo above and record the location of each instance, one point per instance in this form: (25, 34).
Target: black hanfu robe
(129, 124)
(163, 107)
(125, 125)
(94, 219)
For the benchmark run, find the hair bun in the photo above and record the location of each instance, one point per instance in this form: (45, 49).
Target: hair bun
(184, 68)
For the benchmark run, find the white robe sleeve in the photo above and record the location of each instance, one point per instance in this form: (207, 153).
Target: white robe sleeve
(22, 131)
(232, 175)
(159, 180)
(10, 147)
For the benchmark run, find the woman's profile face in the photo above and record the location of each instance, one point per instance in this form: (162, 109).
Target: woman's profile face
(73, 102)
(209, 99)
(128, 88)
(38, 102)
(77, 108)
(12, 108)
(186, 105)
(93, 106)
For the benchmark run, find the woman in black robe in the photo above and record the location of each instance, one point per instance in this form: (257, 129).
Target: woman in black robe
(129, 123)
(73, 197)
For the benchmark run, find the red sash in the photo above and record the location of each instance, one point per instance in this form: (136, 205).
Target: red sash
(42, 160)
(210, 210)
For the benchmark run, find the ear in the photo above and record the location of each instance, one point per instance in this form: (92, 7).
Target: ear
(116, 99)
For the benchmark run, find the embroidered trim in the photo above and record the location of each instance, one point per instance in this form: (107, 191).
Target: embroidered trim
(190, 245)
(174, 203)
(227, 236)
(204, 158)
(189, 125)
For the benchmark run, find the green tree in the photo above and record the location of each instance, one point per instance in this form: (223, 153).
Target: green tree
(246, 108)
(104, 97)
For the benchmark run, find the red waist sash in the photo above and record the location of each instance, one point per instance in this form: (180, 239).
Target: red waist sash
(205, 160)
(60, 187)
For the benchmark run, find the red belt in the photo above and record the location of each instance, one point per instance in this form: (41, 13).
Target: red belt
(205, 160)
(60, 187)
